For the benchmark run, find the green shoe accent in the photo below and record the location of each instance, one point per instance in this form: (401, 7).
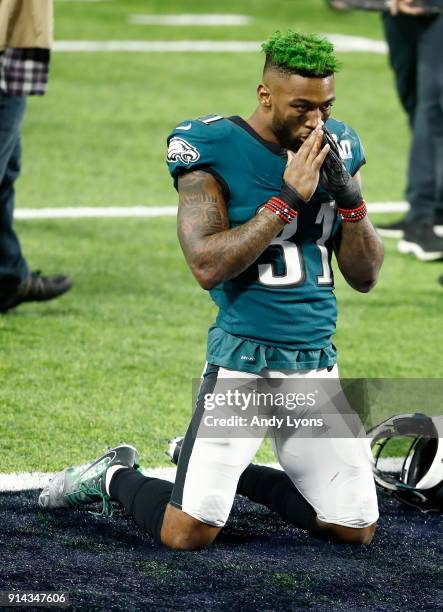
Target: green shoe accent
(84, 485)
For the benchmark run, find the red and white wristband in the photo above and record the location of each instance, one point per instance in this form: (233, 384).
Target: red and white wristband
(282, 210)
(352, 215)
(286, 204)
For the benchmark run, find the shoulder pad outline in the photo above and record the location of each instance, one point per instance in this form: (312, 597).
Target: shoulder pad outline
(208, 119)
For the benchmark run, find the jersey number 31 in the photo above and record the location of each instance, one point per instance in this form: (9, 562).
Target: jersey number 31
(293, 256)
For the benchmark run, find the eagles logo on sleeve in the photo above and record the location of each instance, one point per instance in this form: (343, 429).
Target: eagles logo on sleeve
(180, 150)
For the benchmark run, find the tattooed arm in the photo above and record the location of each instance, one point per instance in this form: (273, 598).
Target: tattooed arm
(359, 253)
(214, 252)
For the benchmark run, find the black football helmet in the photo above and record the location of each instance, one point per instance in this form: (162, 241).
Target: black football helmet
(407, 454)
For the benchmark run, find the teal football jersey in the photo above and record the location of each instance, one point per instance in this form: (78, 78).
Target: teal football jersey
(285, 299)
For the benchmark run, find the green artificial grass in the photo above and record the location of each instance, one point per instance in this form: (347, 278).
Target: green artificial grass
(109, 20)
(114, 359)
(99, 135)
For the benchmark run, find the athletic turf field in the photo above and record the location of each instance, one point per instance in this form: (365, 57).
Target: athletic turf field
(114, 359)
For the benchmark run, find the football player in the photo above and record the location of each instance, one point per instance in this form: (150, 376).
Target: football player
(263, 204)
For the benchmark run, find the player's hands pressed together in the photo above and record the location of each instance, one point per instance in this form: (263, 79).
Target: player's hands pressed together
(303, 168)
(336, 179)
(214, 251)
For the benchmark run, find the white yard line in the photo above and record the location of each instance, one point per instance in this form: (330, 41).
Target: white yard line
(109, 212)
(345, 43)
(354, 44)
(37, 480)
(388, 207)
(157, 46)
(190, 19)
(96, 212)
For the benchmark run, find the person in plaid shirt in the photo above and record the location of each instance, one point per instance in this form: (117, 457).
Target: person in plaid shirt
(25, 37)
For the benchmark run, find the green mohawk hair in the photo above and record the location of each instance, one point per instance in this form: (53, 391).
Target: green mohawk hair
(305, 54)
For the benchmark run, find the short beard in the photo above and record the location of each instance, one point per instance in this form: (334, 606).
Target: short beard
(284, 136)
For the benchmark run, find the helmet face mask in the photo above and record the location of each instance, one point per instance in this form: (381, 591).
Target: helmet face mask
(408, 459)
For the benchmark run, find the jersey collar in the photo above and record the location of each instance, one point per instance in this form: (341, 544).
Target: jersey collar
(273, 147)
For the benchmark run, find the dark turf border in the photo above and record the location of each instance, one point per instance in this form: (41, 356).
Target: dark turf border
(258, 562)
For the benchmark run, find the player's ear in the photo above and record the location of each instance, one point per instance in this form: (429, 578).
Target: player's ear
(264, 95)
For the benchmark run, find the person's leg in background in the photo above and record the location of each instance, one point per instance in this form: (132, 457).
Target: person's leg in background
(404, 34)
(17, 284)
(13, 268)
(425, 191)
(434, 43)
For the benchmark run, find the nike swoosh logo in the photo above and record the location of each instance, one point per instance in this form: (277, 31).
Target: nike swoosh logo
(184, 127)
